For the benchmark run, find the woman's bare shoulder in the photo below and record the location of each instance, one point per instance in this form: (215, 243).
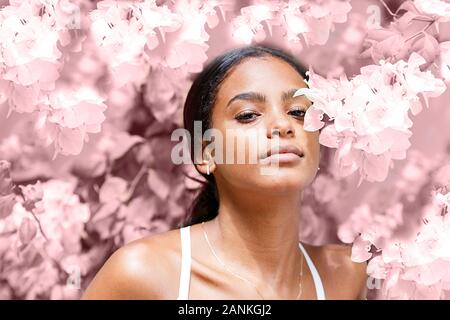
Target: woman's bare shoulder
(345, 275)
(142, 269)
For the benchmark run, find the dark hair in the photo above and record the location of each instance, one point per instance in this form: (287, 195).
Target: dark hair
(199, 105)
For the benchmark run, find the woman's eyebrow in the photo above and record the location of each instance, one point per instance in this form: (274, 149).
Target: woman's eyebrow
(260, 97)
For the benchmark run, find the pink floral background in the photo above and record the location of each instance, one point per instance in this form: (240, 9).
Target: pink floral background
(90, 92)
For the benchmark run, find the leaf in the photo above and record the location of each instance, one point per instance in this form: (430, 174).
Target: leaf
(112, 189)
(427, 47)
(122, 143)
(6, 184)
(106, 210)
(159, 183)
(6, 205)
(27, 230)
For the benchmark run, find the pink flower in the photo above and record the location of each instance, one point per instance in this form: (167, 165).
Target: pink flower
(423, 82)
(377, 268)
(69, 117)
(414, 267)
(370, 118)
(360, 250)
(314, 19)
(123, 31)
(444, 199)
(25, 37)
(435, 8)
(32, 35)
(415, 29)
(34, 250)
(248, 24)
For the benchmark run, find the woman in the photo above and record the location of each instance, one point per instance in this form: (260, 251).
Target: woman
(242, 240)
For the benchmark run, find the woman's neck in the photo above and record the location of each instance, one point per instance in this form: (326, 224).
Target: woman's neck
(258, 233)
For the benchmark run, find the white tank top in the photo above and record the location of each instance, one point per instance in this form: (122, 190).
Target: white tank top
(185, 274)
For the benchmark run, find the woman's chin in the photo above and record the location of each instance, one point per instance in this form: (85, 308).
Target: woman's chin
(285, 178)
(282, 183)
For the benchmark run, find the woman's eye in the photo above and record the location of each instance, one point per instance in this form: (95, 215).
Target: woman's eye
(298, 112)
(246, 116)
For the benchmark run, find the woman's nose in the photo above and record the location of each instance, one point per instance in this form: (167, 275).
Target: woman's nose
(281, 126)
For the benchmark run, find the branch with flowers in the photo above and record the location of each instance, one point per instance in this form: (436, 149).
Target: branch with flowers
(368, 123)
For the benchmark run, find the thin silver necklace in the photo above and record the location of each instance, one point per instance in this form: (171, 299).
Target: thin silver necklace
(300, 290)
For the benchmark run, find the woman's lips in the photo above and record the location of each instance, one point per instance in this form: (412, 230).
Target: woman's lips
(287, 157)
(286, 153)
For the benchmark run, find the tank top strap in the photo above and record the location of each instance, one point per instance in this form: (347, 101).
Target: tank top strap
(185, 273)
(320, 292)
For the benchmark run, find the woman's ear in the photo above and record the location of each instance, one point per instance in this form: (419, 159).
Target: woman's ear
(207, 165)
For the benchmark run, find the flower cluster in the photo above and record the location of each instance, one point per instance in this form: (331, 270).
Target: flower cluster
(68, 117)
(415, 268)
(415, 28)
(310, 20)
(33, 34)
(369, 113)
(41, 241)
(127, 34)
(406, 239)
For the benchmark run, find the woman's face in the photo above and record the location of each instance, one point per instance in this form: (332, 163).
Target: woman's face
(251, 121)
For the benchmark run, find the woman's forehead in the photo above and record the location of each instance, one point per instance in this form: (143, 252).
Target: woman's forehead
(261, 74)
